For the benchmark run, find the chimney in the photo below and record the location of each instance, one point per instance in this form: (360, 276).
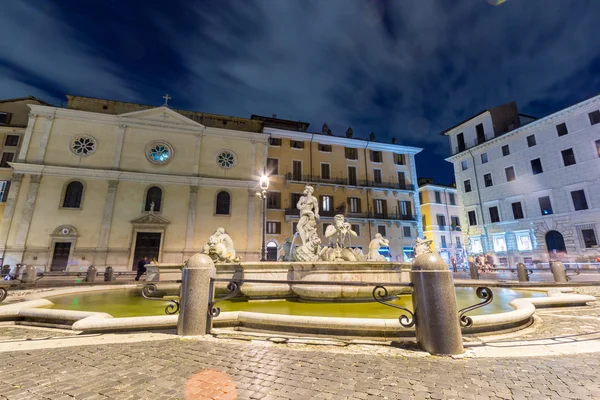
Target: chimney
(274, 115)
(372, 137)
(349, 132)
(394, 140)
(325, 130)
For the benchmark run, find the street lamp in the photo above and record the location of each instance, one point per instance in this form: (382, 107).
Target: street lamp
(264, 185)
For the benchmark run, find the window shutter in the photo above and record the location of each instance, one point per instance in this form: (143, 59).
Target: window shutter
(371, 152)
(6, 189)
(408, 208)
(384, 207)
(359, 207)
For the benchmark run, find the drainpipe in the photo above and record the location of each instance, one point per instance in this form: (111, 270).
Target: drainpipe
(485, 232)
(311, 158)
(366, 183)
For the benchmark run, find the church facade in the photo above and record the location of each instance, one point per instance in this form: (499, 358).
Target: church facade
(103, 185)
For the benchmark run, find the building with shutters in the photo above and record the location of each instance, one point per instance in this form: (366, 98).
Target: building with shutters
(529, 189)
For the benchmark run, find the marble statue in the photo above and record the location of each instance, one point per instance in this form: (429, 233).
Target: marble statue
(152, 205)
(286, 247)
(374, 247)
(310, 249)
(422, 246)
(220, 248)
(339, 231)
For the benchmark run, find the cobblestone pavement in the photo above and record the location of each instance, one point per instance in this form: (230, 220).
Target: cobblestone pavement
(173, 368)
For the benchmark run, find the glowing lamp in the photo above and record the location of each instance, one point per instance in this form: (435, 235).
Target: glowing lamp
(264, 182)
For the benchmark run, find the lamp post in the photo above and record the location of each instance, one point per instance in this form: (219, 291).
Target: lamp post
(264, 185)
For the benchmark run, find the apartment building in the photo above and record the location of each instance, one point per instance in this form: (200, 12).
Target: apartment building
(440, 217)
(529, 189)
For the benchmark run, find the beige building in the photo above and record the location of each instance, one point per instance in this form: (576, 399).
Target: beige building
(107, 183)
(440, 216)
(372, 183)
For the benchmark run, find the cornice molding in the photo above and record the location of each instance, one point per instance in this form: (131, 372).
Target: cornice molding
(85, 173)
(335, 140)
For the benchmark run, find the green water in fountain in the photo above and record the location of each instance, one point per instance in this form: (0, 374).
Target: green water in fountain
(130, 303)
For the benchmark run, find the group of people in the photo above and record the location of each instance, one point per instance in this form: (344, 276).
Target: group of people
(484, 263)
(141, 266)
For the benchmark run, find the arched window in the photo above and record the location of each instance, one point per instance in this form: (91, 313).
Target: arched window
(73, 195)
(153, 196)
(223, 203)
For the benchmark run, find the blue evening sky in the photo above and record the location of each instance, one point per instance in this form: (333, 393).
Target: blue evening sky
(399, 68)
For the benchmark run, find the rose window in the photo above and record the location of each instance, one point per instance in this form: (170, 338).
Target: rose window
(226, 159)
(159, 152)
(83, 145)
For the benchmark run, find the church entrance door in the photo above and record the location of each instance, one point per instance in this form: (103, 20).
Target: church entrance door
(147, 244)
(60, 257)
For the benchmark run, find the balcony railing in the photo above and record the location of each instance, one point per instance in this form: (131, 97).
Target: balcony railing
(360, 183)
(368, 215)
(468, 145)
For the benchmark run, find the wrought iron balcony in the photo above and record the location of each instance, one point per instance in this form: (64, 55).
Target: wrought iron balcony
(368, 215)
(359, 183)
(468, 145)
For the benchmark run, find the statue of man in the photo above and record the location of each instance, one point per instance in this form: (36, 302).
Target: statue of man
(339, 231)
(309, 212)
(374, 247)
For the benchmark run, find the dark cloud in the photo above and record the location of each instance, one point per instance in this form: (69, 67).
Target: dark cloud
(404, 69)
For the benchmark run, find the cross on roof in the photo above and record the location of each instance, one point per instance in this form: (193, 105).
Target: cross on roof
(167, 98)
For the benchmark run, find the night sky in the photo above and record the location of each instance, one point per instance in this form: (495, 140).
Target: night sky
(399, 68)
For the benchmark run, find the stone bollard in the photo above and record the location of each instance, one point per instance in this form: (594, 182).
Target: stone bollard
(558, 270)
(434, 301)
(195, 295)
(473, 271)
(108, 274)
(29, 274)
(90, 275)
(522, 273)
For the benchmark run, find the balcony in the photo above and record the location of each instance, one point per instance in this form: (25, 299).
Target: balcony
(469, 145)
(358, 183)
(294, 212)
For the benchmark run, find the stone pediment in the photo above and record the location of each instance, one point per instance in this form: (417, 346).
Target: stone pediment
(160, 114)
(150, 220)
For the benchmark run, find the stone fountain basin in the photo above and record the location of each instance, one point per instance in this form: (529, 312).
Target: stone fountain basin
(372, 272)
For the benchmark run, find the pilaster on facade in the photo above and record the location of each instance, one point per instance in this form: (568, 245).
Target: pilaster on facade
(119, 145)
(25, 224)
(107, 216)
(191, 218)
(44, 140)
(27, 137)
(9, 208)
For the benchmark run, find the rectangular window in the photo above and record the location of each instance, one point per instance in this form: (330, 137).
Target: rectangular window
(405, 207)
(355, 228)
(274, 200)
(594, 117)
(458, 243)
(484, 158)
(476, 246)
(499, 243)
(460, 138)
(401, 179)
(4, 118)
(510, 174)
(6, 158)
(517, 209)
(4, 188)
(472, 218)
(451, 199)
(598, 147)
(354, 204)
(325, 171)
(296, 144)
(561, 129)
(480, 134)
(400, 159)
(505, 150)
(406, 231)
(275, 141)
(455, 222)
(325, 228)
(352, 176)
(579, 200)
(424, 221)
(273, 227)
(327, 203)
(531, 141)
(568, 157)
(379, 206)
(273, 166)
(487, 178)
(12, 140)
(420, 197)
(295, 199)
(294, 228)
(351, 154)
(494, 214)
(377, 176)
(376, 156)
(588, 236)
(441, 220)
(326, 148)
(464, 165)
(523, 241)
(381, 229)
(467, 186)
(443, 239)
(536, 166)
(297, 170)
(438, 197)
(545, 205)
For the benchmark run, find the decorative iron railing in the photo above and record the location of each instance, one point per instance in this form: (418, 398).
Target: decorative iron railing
(368, 215)
(359, 183)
